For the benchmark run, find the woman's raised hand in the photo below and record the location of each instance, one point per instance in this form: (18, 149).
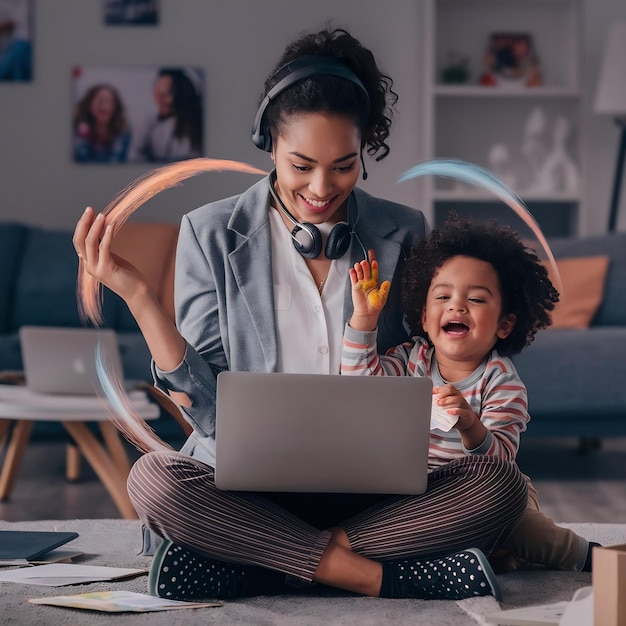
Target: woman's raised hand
(92, 241)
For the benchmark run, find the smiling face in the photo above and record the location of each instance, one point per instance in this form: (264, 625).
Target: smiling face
(164, 95)
(103, 106)
(317, 165)
(463, 315)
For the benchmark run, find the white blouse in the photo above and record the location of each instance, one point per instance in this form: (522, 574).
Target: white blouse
(310, 324)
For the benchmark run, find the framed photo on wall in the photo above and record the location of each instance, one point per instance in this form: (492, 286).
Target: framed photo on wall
(16, 45)
(141, 12)
(137, 114)
(511, 60)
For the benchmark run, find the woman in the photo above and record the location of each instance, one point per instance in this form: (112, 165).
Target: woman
(176, 130)
(326, 102)
(101, 132)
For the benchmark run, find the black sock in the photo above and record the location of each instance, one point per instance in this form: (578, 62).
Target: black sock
(258, 581)
(588, 561)
(185, 575)
(390, 577)
(453, 577)
(405, 579)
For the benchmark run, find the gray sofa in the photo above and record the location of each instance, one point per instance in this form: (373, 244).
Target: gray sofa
(38, 271)
(576, 379)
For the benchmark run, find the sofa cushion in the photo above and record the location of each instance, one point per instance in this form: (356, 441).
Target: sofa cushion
(45, 292)
(583, 280)
(151, 248)
(612, 311)
(10, 352)
(575, 374)
(11, 241)
(135, 356)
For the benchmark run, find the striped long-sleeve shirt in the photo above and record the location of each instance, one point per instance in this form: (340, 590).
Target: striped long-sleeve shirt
(494, 391)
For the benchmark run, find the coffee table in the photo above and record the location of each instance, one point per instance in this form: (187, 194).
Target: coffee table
(20, 408)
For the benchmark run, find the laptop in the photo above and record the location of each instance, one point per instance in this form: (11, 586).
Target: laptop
(322, 433)
(63, 360)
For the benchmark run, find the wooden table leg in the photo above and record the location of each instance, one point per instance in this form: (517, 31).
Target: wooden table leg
(4, 429)
(115, 446)
(103, 466)
(72, 462)
(15, 451)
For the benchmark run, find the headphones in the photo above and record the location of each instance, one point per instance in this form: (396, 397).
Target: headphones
(306, 237)
(294, 72)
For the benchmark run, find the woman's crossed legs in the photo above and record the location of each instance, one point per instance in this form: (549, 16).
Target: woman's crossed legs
(473, 502)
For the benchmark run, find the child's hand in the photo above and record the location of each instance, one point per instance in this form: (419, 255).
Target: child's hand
(451, 401)
(367, 297)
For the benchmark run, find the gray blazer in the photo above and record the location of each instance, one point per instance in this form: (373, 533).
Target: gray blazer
(224, 292)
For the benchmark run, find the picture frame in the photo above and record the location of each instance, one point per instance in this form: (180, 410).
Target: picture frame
(131, 12)
(511, 60)
(16, 43)
(135, 114)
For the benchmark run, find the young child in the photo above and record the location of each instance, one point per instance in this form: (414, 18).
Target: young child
(474, 295)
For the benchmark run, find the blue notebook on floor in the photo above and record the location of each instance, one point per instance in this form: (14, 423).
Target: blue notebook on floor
(31, 545)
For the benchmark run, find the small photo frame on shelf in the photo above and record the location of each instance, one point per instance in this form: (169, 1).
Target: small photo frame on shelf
(16, 45)
(133, 12)
(511, 61)
(137, 114)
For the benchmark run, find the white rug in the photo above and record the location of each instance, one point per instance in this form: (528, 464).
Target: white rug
(537, 586)
(116, 543)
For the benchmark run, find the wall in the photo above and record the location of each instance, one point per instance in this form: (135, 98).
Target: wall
(602, 134)
(237, 42)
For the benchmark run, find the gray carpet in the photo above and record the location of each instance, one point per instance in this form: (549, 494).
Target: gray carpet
(116, 543)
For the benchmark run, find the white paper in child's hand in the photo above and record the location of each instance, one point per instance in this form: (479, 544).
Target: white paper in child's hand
(440, 419)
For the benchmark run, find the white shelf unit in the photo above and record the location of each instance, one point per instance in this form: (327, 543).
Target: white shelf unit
(466, 121)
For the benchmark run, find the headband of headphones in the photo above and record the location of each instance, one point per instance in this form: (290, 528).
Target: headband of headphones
(294, 72)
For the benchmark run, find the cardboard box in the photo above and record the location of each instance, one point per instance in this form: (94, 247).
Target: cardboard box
(609, 585)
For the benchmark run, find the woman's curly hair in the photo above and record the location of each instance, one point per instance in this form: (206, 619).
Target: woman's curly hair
(526, 290)
(334, 95)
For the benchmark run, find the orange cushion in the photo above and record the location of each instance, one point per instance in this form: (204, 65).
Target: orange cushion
(583, 281)
(150, 247)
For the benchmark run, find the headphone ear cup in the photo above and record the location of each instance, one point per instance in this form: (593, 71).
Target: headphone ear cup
(307, 240)
(261, 137)
(338, 240)
(264, 138)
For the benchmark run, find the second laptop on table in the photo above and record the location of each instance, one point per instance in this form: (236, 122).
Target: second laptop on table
(63, 360)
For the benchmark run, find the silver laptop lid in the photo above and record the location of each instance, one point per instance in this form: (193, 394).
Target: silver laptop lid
(322, 433)
(63, 360)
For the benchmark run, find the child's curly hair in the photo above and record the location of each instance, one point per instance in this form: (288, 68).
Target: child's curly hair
(526, 289)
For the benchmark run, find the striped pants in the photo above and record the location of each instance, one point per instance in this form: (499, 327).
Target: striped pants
(471, 502)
